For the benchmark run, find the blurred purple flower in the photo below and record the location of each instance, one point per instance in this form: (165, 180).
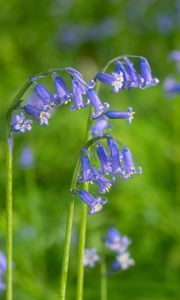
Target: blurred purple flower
(26, 158)
(3, 267)
(115, 242)
(122, 262)
(171, 86)
(90, 257)
(175, 55)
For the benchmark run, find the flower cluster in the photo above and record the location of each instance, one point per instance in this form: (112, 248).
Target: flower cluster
(112, 162)
(3, 266)
(82, 94)
(119, 244)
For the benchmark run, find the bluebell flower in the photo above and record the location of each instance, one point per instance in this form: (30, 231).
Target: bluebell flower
(134, 78)
(44, 95)
(95, 204)
(148, 80)
(128, 168)
(129, 114)
(122, 262)
(63, 95)
(100, 125)
(99, 107)
(115, 156)
(88, 173)
(120, 68)
(171, 87)
(90, 257)
(104, 159)
(77, 75)
(103, 183)
(43, 114)
(77, 95)
(115, 80)
(26, 157)
(19, 123)
(115, 242)
(3, 267)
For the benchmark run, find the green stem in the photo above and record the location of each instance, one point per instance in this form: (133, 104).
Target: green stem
(65, 261)
(103, 280)
(67, 244)
(82, 240)
(9, 225)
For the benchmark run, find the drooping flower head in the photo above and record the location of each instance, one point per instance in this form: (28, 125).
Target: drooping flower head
(125, 75)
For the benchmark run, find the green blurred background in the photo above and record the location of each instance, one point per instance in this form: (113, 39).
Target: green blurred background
(36, 35)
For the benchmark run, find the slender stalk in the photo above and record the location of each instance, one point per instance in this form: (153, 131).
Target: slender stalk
(103, 280)
(9, 290)
(65, 261)
(82, 240)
